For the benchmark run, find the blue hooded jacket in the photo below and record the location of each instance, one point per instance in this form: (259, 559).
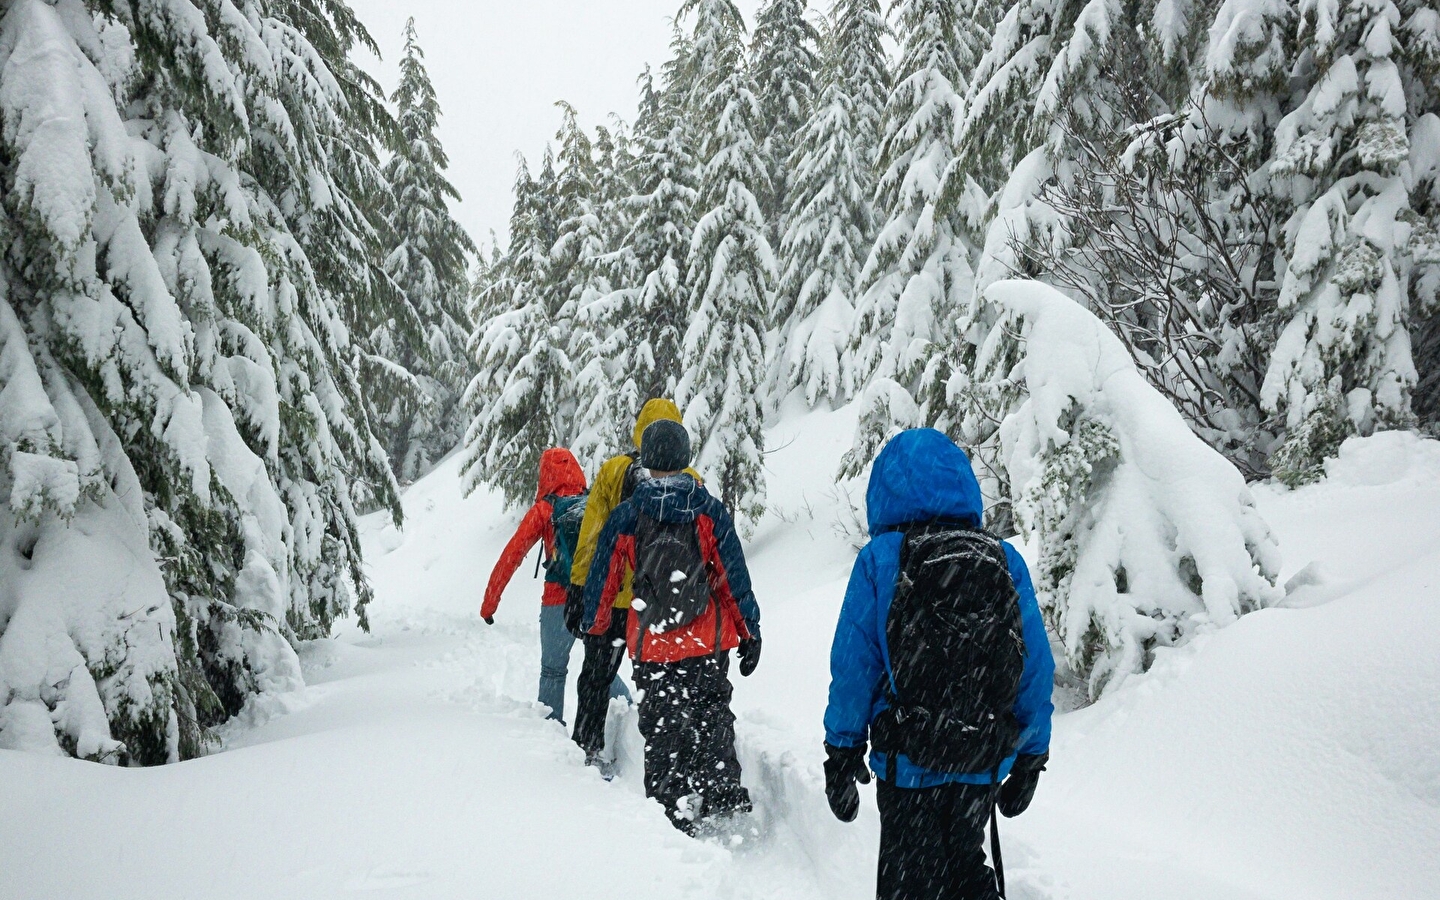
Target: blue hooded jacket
(919, 476)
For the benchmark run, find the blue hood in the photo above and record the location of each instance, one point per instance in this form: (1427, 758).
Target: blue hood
(674, 498)
(919, 476)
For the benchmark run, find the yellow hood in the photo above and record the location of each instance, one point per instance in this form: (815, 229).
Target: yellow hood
(655, 411)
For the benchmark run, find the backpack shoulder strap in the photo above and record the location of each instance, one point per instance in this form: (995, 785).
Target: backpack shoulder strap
(940, 523)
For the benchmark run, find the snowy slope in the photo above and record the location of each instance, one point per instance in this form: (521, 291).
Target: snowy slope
(1294, 754)
(1290, 755)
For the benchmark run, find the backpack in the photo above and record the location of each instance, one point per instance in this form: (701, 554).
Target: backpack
(634, 474)
(672, 582)
(957, 652)
(566, 514)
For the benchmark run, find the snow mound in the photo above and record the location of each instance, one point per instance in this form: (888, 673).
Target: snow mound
(1290, 755)
(1389, 457)
(1375, 510)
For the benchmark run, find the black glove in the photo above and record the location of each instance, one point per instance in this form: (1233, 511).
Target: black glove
(749, 655)
(843, 767)
(575, 609)
(1019, 789)
(489, 620)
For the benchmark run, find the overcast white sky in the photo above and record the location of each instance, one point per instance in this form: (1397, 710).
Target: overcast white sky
(500, 65)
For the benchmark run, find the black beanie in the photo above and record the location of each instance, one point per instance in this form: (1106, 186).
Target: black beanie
(665, 447)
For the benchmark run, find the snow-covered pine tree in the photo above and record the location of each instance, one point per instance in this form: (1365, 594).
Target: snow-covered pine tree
(578, 278)
(176, 394)
(1347, 156)
(861, 26)
(1146, 214)
(615, 168)
(1050, 71)
(731, 265)
(1423, 55)
(645, 316)
(603, 385)
(343, 229)
(917, 275)
(521, 397)
(784, 60)
(429, 264)
(831, 222)
(1426, 332)
(999, 127)
(483, 277)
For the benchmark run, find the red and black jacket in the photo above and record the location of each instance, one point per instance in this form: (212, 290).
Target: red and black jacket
(560, 476)
(676, 498)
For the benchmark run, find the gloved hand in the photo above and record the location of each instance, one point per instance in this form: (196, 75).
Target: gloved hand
(749, 655)
(1019, 789)
(489, 620)
(843, 767)
(575, 609)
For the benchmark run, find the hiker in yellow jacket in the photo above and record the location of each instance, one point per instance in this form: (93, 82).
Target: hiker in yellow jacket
(612, 486)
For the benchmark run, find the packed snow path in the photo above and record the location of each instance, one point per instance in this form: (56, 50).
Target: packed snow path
(1290, 755)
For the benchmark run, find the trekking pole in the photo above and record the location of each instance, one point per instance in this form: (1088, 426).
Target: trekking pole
(995, 850)
(539, 555)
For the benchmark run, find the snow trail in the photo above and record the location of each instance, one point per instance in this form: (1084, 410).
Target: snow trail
(1275, 758)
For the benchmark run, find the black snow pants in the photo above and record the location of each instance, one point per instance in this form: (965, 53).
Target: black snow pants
(932, 843)
(603, 654)
(689, 734)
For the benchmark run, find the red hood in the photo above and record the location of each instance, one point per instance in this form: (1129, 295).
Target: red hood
(560, 474)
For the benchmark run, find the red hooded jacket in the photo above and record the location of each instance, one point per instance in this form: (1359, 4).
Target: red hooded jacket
(561, 476)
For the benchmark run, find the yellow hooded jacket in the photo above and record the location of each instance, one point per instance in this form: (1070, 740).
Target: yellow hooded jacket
(605, 496)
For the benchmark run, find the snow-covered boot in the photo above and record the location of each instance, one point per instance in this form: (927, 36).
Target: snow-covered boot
(731, 828)
(687, 812)
(597, 759)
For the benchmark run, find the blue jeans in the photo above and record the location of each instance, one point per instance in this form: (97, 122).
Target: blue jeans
(555, 644)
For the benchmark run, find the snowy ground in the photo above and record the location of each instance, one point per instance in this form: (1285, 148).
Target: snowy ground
(1291, 755)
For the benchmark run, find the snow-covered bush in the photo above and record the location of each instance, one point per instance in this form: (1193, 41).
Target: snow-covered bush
(1146, 535)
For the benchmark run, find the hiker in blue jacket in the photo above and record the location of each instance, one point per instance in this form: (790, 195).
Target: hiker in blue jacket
(932, 819)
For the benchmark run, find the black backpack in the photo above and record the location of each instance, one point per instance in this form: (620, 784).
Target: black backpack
(957, 652)
(672, 583)
(566, 515)
(634, 474)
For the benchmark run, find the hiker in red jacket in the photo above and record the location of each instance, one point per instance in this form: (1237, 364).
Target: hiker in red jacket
(692, 605)
(554, 519)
